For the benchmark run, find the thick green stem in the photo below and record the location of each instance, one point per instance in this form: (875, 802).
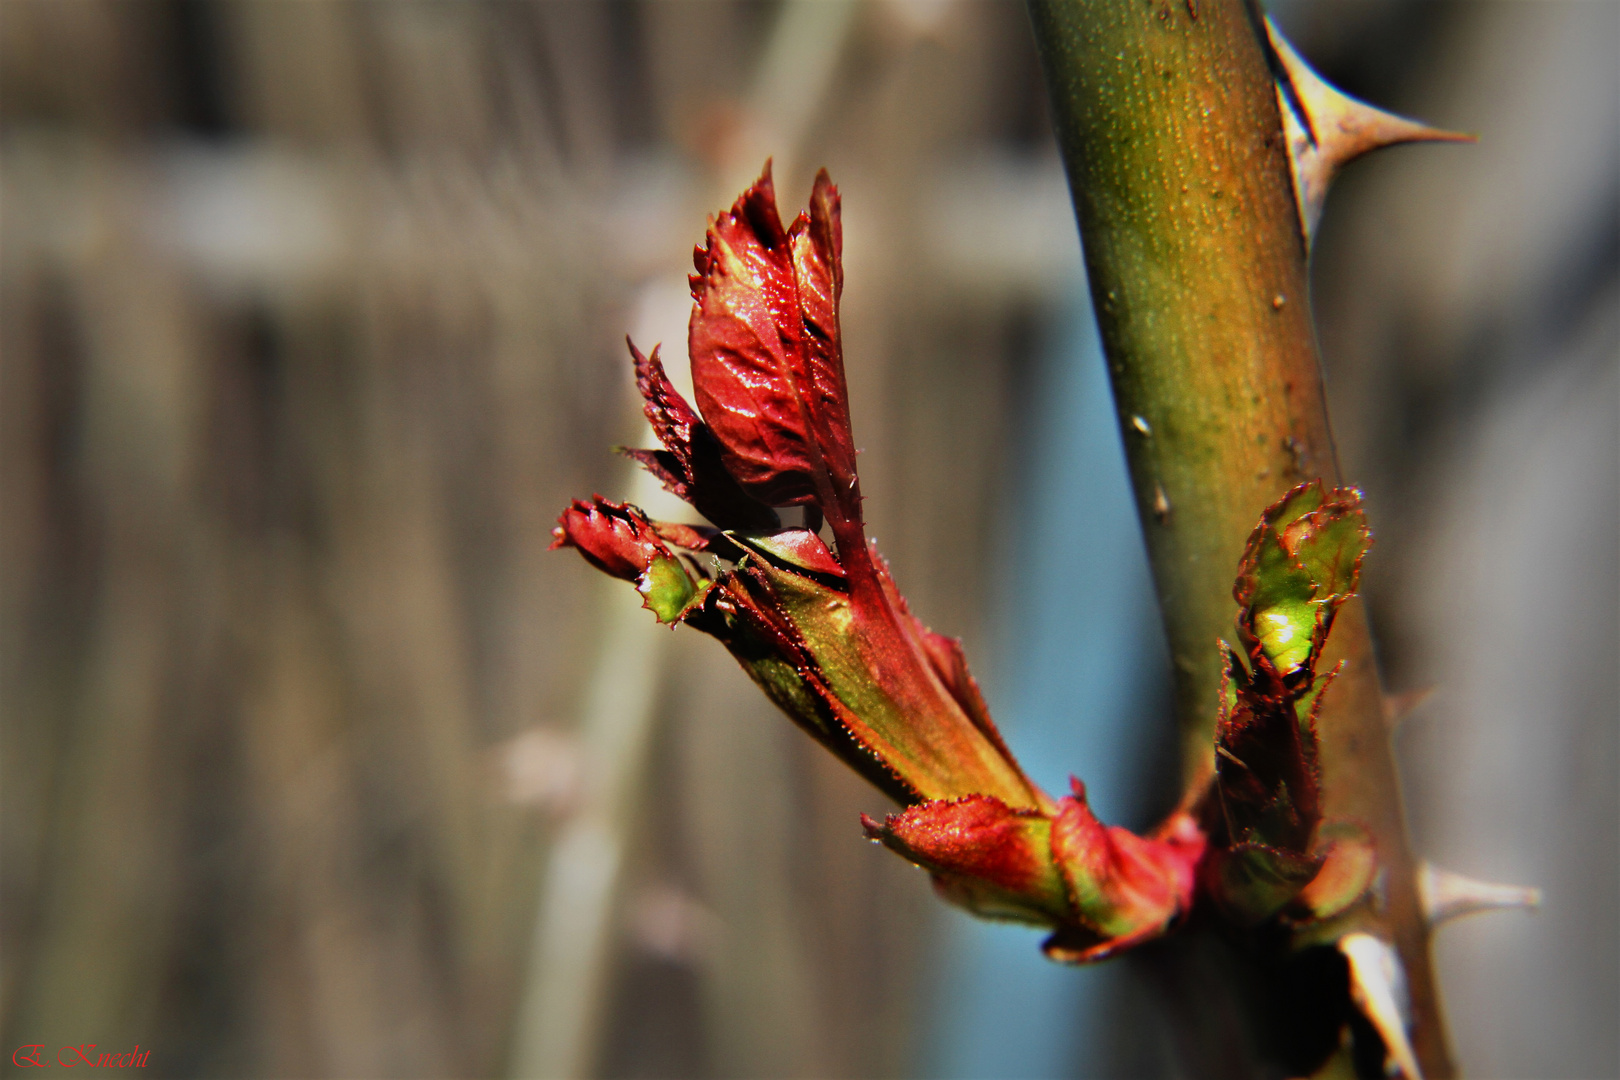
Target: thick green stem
(1167, 115)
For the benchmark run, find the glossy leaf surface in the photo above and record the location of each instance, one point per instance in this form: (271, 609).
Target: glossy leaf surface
(901, 710)
(767, 361)
(690, 465)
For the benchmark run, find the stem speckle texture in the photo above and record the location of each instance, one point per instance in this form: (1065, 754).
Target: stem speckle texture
(1168, 120)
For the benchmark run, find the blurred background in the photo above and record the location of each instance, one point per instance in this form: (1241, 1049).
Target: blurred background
(315, 763)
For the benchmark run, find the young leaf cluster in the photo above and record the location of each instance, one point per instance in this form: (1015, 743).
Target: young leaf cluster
(824, 631)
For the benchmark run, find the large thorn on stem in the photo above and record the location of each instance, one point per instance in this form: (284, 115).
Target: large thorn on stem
(1445, 895)
(1378, 987)
(1326, 129)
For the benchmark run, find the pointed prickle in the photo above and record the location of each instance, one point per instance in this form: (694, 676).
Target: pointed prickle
(1445, 895)
(1397, 707)
(1378, 987)
(1326, 129)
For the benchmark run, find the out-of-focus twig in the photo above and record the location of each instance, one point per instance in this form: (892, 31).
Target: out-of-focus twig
(559, 1021)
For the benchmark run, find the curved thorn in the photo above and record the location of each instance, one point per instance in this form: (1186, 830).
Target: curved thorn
(1326, 128)
(1445, 895)
(1378, 987)
(1397, 707)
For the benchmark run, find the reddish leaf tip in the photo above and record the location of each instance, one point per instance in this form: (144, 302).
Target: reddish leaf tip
(616, 538)
(767, 363)
(800, 549)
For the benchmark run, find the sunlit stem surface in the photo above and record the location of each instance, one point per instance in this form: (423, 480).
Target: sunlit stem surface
(1168, 121)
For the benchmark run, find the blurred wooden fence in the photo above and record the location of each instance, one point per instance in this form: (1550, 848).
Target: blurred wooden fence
(313, 320)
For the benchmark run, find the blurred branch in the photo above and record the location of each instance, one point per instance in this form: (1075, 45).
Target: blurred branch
(559, 1022)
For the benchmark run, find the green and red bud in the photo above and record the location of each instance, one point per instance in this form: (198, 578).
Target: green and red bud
(616, 538)
(1099, 888)
(1275, 854)
(619, 540)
